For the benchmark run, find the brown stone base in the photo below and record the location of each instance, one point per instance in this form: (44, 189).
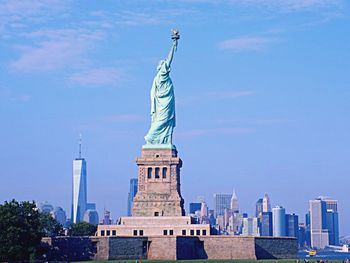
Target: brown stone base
(170, 248)
(158, 184)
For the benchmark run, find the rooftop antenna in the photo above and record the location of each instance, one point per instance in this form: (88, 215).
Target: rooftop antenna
(80, 141)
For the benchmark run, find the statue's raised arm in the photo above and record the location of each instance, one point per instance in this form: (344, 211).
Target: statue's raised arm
(175, 37)
(163, 103)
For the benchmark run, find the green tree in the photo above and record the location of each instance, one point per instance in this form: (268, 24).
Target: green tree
(82, 229)
(22, 227)
(49, 226)
(20, 230)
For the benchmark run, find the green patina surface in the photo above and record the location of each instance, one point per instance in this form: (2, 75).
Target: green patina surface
(162, 103)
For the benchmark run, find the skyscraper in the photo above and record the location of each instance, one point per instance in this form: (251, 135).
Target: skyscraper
(194, 207)
(212, 220)
(234, 203)
(91, 216)
(333, 227)
(318, 224)
(131, 195)
(60, 215)
(221, 201)
(79, 200)
(204, 209)
(332, 223)
(292, 225)
(107, 220)
(259, 208)
(307, 229)
(266, 203)
(302, 235)
(266, 224)
(250, 227)
(46, 207)
(329, 217)
(279, 221)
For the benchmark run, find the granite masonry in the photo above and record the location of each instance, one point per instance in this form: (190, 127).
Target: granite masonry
(158, 205)
(170, 248)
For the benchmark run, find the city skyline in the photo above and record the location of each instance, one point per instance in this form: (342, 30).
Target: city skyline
(271, 80)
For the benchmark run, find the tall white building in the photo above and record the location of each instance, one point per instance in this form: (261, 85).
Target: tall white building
(318, 223)
(79, 200)
(250, 227)
(266, 203)
(204, 209)
(278, 221)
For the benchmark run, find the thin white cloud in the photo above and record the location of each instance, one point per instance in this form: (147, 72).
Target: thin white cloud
(212, 132)
(253, 121)
(290, 5)
(246, 43)
(18, 14)
(159, 16)
(215, 95)
(230, 94)
(48, 56)
(97, 77)
(274, 121)
(275, 5)
(8, 94)
(124, 118)
(54, 49)
(31, 7)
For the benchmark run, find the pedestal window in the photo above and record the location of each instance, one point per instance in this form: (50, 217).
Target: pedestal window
(164, 171)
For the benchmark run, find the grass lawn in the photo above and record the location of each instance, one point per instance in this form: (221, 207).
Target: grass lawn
(212, 261)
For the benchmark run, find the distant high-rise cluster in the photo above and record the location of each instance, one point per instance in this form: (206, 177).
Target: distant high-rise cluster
(56, 212)
(320, 229)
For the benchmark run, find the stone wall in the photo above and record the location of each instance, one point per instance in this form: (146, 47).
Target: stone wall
(127, 247)
(169, 248)
(276, 247)
(162, 248)
(229, 247)
(69, 248)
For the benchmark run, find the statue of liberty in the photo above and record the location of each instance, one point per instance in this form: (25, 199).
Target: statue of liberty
(163, 103)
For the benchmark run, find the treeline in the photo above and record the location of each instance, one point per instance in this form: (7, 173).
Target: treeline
(22, 227)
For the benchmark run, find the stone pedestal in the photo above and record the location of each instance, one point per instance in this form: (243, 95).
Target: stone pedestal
(158, 184)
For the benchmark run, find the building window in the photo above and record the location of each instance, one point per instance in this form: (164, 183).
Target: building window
(114, 233)
(156, 213)
(141, 232)
(108, 233)
(171, 232)
(149, 172)
(192, 232)
(102, 233)
(165, 232)
(184, 232)
(156, 170)
(204, 232)
(135, 232)
(164, 172)
(198, 232)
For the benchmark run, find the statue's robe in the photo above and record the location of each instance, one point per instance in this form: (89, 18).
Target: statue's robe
(162, 108)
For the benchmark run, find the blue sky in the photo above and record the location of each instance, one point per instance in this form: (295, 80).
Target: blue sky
(262, 98)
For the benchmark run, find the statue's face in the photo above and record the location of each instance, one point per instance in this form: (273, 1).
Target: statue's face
(160, 64)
